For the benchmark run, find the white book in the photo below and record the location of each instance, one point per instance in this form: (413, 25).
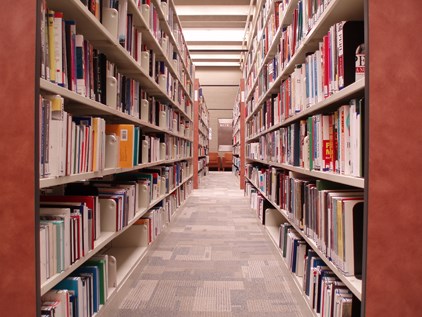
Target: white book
(122, 22)
(69, 138)
(55, 135)
(58, 47)
(320, 89)
(60, 296)
(43, 253)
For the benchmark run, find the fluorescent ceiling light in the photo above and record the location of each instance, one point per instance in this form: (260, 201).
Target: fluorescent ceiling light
(215, 56)
(214, 35)
(205, 10)
(214, 47)
(224, 64)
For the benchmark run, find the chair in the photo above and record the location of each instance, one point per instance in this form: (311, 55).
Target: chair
(227, 161)
(214, 161)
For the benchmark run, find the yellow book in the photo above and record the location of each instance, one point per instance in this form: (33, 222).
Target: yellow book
(126, 133)
(51, 50)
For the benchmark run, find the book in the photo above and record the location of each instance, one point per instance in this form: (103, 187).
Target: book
(61, 298)
(353, 210)
(126, 134)
(74, 285)
(53, 213)
(101, 262)
(80, 65)
(350, 34)
(95, 273)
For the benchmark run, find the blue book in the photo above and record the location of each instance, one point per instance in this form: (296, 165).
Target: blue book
(96, 283)
(74, 285)
(136, 146)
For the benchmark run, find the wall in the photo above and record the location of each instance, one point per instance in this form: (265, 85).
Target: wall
(19, 283)
(394, 249)
(220, 86)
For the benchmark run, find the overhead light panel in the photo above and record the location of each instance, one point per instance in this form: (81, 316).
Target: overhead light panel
(213, 35)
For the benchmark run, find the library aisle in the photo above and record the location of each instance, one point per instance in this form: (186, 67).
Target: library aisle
(215, 259)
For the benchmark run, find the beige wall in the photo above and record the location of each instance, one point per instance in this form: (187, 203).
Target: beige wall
(219, 86)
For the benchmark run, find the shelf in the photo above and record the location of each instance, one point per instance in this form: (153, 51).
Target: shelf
(102, 241)
(267, 18)
(254, 23)
(61, 180)
(101, 39)
(337, 178)
(166, 28)
(353, 90)
(337, 10)
(286, 20)
(152, 42)
(272, 233)
(169, 32)
(352, 283)
(127, 259)
(86, 106)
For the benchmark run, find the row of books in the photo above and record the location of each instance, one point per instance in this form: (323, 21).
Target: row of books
(267, 25)
(304, 18)
(179, 38)
(336, 64)
(69, 145)
(328, 213)
(323, 142)
(203, 150)
(202, 162)
(84, 291)
(71, 223)
(151, 17)
(162, 214)
(72, 62)
(79, 144)
(331, 68)
(327, 295)
(236, 149)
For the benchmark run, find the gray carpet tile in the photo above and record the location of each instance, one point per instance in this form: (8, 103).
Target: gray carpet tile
(214, 260)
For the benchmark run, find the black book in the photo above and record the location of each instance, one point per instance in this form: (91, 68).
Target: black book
(350, 34)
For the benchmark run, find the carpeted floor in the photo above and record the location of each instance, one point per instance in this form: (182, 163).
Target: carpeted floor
(214, 260)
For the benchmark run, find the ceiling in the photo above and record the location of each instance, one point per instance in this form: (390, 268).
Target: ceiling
(214, 30)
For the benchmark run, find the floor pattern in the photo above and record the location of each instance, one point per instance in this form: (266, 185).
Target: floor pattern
(214, 260)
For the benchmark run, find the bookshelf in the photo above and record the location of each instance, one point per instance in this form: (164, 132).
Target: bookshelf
(294, 113)
(165, 89)
(239, 135)
(392, 265)
(201, 135)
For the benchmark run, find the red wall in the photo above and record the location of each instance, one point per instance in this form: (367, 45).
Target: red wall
(394, 255)
(17, 199)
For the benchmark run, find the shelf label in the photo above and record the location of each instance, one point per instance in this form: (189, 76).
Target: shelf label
(242, 96)
(196, 95)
